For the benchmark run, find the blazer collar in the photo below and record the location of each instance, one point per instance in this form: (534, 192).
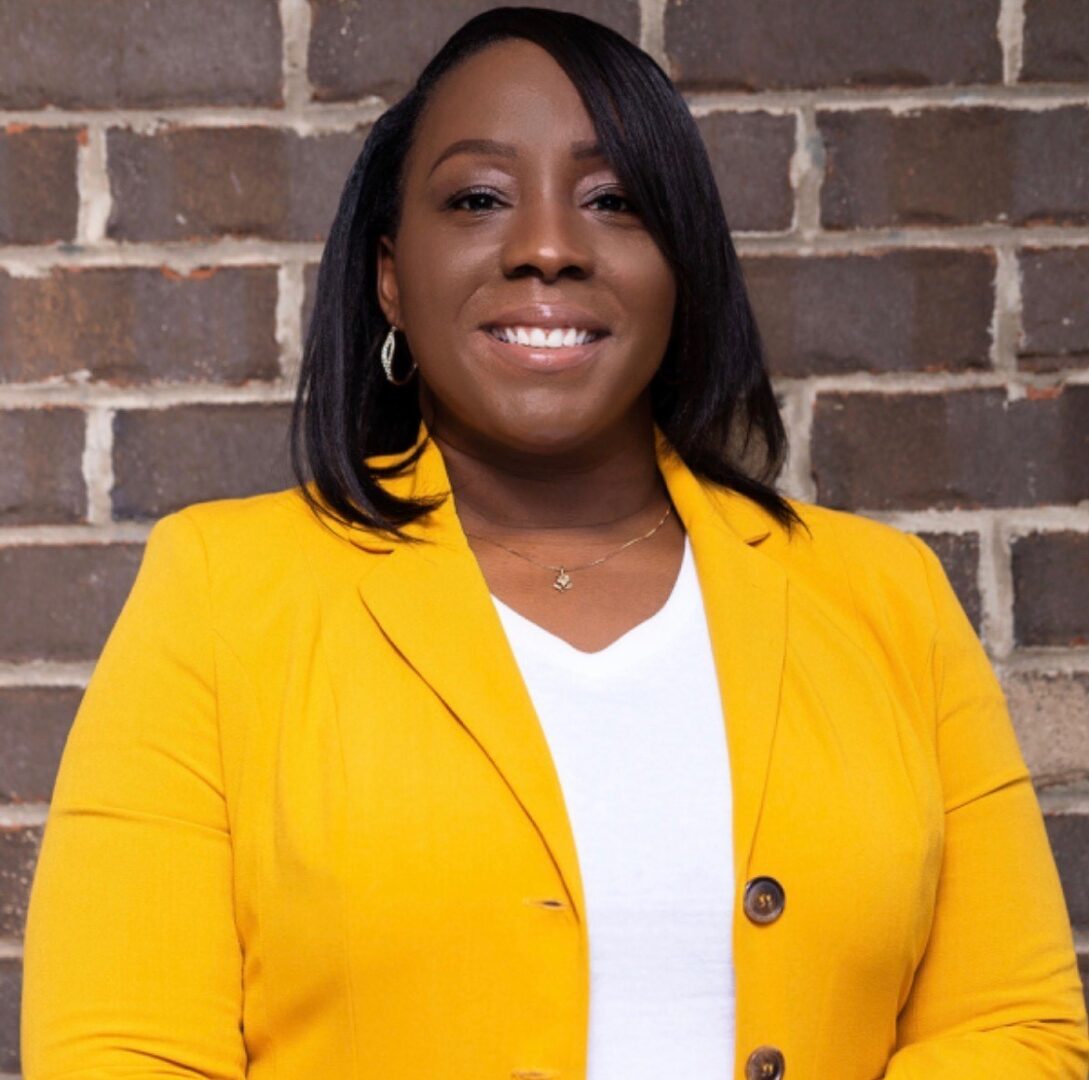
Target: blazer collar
(433, 603)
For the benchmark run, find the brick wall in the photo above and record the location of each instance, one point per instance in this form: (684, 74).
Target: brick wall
(909, 190)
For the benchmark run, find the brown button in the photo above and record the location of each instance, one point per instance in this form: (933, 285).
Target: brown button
(765, 1063)
(764, 900)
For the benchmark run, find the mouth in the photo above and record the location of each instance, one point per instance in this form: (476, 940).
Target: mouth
(541, 349)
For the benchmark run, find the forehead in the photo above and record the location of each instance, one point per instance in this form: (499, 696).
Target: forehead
(512, 90)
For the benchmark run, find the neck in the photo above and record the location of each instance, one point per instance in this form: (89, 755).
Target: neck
(600, 487)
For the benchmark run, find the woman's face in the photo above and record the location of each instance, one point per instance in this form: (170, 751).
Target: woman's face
(546, 238)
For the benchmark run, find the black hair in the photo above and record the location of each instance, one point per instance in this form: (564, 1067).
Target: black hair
(711, 395)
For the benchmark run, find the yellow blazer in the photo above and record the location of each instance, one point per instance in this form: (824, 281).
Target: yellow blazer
(307, 827)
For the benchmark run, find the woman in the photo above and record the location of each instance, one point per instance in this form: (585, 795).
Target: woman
(319, 812)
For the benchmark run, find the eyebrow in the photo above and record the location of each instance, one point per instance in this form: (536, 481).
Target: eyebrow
(579, 150)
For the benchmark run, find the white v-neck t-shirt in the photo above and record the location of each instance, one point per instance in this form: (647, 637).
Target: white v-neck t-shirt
(638, 737)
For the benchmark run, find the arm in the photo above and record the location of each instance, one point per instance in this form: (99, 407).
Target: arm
(997, 993)
(132, 964)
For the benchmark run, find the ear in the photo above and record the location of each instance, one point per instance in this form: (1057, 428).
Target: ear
(386, 275)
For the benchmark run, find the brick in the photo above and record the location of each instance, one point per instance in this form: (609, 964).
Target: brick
(1056, 41)
(750, 155)
(34, 724)
(958, 449)
(205, 183)
(11, 992)
(1069, 835)
(959, 555)
(131, 53)
(1050, 712)
(754, 45)
(363, 47)
(19, 846)
(310, 288)
(955, 166)
(1051, 588)
(167, 459)
(904, 310)
(68, 597)
(1055, 309)
(42, 479)
(39, 200)
(136, 325)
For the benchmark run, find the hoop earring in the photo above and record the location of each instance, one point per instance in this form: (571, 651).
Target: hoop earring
(387, 359)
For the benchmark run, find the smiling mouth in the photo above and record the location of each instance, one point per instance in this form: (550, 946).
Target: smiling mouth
(541, 338)
(541, 357)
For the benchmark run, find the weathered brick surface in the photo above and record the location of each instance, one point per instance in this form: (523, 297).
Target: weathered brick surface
(1069, 835)
(41, 481)
(11, 983)
(1051, 714)
(754, 45)
(135, 53)
(167, 459)
(959, 555)
(67, 598)
(18, 853)
(39, 203)
(915, 310)
(1056, 41)
(750, 156)
(1051, 588)
(955, 166)
(960, 449)
(203, 183)
(132, 325)
(34, 724)
(364, 47)
(1055, 309)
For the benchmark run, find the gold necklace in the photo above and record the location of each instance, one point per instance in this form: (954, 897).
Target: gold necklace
(563, 580)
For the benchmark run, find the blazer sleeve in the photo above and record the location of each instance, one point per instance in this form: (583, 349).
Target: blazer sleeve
(997, 992)
(132, 962)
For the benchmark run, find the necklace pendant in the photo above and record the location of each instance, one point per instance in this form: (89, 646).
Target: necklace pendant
(563, 581)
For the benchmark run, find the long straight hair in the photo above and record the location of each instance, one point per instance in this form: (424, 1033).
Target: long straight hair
(711, 395)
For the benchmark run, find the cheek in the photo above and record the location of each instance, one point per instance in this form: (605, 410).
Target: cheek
(435, 276)
(648, 286)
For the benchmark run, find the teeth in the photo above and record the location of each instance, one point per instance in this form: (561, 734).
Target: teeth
(539, 338)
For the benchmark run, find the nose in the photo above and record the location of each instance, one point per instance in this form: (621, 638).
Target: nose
(547, 237)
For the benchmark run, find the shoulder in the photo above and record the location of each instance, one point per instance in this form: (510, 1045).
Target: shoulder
(259, 552)
(870, 569)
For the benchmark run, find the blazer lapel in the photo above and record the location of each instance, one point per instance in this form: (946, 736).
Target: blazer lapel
(433, 604)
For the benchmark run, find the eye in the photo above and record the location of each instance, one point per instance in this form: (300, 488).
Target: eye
(475, 193)
(619, 196)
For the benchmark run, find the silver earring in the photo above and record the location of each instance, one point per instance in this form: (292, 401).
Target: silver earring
(387, 359)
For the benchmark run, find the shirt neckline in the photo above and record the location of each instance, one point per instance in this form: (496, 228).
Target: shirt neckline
(633, 646)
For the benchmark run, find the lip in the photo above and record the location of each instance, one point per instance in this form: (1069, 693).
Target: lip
(540, 358)
(548, 315)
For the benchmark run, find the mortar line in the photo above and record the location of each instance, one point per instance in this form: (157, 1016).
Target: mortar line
(97, 464)
(93, 186)
(45, 673)
(652, 31)
(1006, 318)
(316, 116)
(995, 580)
(295, 20)
(1011, 36)
(38, 260)
(290, 290)
(807, 165)
(155, 395)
